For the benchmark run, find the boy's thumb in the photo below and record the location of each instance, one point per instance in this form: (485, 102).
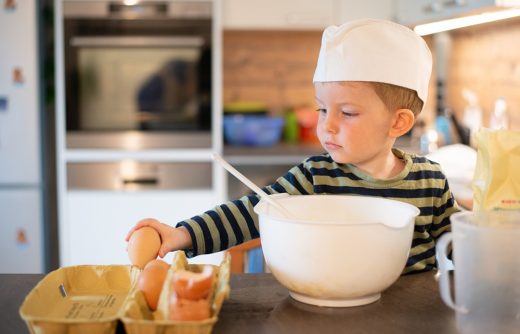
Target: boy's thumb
(162, 252)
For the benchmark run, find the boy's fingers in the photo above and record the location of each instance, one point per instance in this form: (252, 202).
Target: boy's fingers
(132, 230)
(127, 238)
(147, 222)
(142, 223)
(162, 252)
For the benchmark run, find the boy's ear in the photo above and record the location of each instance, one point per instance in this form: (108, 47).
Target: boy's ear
(403, 121)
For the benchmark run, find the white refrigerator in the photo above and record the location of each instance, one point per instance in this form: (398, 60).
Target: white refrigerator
(21, 186)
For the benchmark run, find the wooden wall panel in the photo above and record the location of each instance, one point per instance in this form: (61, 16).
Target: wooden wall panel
(486, 59)
(273, 67)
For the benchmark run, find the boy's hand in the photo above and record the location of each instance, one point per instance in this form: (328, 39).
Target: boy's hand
(171, 238)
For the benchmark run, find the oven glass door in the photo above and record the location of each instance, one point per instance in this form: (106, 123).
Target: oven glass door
(138, 76)
(138, 84)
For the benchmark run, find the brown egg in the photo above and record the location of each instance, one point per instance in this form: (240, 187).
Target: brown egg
(143, 246)
(151, 280)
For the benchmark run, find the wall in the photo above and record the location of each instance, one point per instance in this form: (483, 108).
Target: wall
(486, 59)
(276, 67)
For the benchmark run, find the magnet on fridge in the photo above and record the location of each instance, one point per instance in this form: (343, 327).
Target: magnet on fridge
(9, 4)
(18, 75)
(4, 103)
(21, 238)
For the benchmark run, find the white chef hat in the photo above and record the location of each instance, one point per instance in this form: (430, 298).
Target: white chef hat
(375, 50)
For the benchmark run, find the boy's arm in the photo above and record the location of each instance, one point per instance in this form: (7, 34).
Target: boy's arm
(235, 222)
(444, 208)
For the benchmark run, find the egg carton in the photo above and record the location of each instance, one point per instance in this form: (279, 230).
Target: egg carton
(96, 298)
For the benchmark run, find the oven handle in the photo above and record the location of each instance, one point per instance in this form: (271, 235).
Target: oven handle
(151, 41)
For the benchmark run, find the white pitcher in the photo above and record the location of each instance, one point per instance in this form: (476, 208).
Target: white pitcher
(486, 256)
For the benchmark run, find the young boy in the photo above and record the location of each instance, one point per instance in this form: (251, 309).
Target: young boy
(371, 81)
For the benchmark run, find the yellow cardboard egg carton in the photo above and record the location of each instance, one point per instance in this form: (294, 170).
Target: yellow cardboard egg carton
(93, 298)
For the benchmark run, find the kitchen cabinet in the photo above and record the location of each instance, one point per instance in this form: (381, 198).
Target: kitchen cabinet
(411, 12)
(105, 187)
(99, 220)
(275, 14)
(299, 14)
(105, 199)
(348, 10)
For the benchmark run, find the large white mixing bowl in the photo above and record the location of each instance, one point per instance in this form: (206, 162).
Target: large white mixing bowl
(336, 250)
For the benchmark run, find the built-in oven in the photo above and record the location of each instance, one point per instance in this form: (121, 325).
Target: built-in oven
(138, 74)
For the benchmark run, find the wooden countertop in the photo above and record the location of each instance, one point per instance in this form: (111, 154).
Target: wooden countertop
(259, 304)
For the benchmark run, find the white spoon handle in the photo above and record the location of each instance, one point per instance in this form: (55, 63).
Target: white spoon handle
(249, 184)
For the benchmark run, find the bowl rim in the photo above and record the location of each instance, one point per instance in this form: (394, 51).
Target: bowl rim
(280, 217)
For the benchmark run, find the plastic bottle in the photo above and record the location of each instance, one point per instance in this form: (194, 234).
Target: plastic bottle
(472, 113)
(429, 141)
(442, 125)
(499, 118)
(291, 130)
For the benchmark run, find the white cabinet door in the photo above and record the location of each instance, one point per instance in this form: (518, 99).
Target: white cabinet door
(300, 14)
(276, 14)
(348, 10)
(99, 220)
(21, 249)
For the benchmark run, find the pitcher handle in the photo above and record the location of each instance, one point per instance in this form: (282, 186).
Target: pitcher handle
(445, 266)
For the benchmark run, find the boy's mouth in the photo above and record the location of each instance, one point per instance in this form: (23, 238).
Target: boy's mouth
(332, 146)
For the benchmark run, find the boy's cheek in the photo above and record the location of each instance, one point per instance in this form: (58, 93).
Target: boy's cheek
(319, 134)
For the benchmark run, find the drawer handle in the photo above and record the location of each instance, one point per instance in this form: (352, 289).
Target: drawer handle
(143, 180)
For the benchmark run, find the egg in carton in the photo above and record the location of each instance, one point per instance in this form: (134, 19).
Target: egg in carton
(138, 318)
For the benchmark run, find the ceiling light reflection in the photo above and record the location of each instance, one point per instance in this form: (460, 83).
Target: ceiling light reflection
(461, 22)
(131, 2)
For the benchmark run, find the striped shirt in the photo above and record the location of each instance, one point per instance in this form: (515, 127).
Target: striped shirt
(421, 183)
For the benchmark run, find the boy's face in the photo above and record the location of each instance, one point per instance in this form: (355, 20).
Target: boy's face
(354, 123)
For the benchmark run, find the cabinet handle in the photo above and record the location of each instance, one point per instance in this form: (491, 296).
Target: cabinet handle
(144, 180)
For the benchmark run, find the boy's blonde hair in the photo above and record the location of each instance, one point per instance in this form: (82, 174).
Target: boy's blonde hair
(397, 97)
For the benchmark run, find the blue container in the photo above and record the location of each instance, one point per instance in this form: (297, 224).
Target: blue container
(252, 130)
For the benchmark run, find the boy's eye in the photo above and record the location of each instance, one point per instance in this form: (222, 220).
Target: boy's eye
(321, 110)
(349, 113)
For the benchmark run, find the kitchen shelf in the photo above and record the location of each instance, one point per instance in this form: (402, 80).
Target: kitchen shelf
(280, 154)
(290, 154)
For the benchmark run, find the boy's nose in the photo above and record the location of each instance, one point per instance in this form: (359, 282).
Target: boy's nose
(331, 123)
